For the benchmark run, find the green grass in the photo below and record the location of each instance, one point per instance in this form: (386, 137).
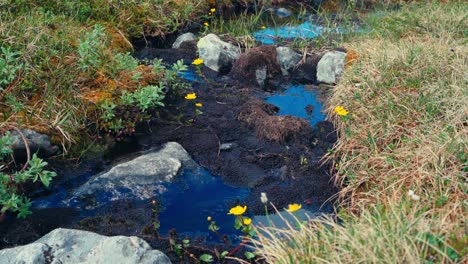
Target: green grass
(406, 133)
(63, 60)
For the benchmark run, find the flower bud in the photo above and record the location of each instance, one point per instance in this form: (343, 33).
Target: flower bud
(263, 198)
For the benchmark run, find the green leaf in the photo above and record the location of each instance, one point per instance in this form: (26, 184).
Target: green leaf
(206, 258)
(224, 254)
(249, 255)
(186, 242)
(23, 208)
(237, 223)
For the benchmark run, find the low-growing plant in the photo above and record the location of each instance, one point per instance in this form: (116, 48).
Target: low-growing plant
(120, 114)
(9, 66)
(12, 197)
(90, 48)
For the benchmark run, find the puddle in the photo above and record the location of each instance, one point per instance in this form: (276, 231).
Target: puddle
(300, 102)
(185, 203)
(188, 202)
(190, 76)
(305, 30)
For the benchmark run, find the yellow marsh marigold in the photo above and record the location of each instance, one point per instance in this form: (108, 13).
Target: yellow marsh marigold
(238, 210)
(293, 207)
(212, 10)
(191, 96)
(247, 221)
(263, 27)
(198, 104)
(206, 24)
(197, 61)
(340, 111)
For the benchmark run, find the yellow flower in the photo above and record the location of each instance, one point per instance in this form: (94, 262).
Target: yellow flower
(197, 61)
(191, 96)
(198, 104)
(294, 207)
(209, 218)
(206, 24)
(263, 27)
(212, 10)
(238, 210)
(340, 111)
(247, 221)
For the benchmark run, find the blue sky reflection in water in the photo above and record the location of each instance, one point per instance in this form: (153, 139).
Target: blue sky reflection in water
(193, 197)
(306, 30)
(294, 100)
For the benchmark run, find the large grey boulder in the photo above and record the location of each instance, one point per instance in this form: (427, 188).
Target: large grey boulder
(217, 54)
(186, 37)
(287, 59)
(138, 179)
(330, 67)
(36, 142)
(67, 246)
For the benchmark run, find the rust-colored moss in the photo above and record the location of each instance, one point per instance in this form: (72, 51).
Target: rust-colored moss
(351, 57)
(260, 116)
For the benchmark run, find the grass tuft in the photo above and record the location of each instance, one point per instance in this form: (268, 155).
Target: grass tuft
(401, 155)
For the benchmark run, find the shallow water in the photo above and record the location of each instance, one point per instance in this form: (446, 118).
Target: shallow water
(184, 203)
(306, 30)
(190, 76)
(294, 101)
(189, 200)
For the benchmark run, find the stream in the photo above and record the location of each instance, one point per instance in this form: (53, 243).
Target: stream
(219, 180)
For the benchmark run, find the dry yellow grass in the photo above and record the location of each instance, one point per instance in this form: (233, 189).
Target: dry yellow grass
(407, 131)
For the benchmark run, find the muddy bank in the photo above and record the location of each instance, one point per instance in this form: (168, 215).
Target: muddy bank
(264, 162)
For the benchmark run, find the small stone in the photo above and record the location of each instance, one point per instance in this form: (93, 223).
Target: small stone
(287, 59)
(283, 12)
(261, 76)
(217, 54)
(330, 67)
(37, 143)
(228, 146)
(186, 37)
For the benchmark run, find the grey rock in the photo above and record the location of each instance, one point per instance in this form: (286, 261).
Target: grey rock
(217, 54)
(186, 37)
(36, 142)
(287, 59)
(140, 178)
(68, 246)
(330, 67)
(261, 76)
(228, 146)
(283, 12)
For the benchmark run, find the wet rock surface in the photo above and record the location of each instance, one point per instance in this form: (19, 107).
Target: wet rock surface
(137, 179)
(186, 37)
(75, 246)
(37, 143)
